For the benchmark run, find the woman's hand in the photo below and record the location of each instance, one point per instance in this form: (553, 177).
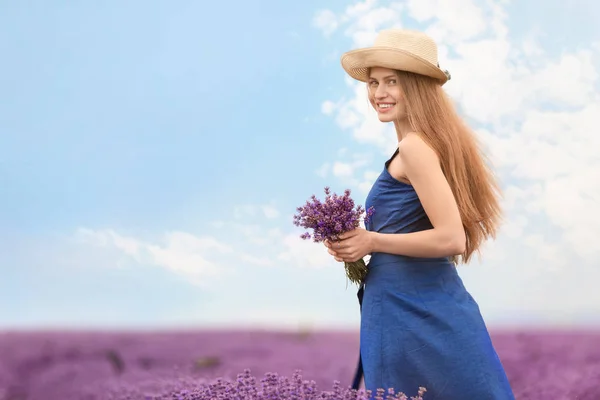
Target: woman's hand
(352, 245)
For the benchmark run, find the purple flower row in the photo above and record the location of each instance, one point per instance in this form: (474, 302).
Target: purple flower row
(271, 387)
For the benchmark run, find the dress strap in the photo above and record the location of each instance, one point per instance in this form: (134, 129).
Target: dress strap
(389, 160)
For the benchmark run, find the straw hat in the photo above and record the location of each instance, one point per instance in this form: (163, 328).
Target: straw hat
(398, 49)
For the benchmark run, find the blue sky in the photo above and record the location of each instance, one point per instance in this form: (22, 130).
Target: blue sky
(152, 155)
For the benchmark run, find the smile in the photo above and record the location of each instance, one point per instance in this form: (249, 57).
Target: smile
(385, 107)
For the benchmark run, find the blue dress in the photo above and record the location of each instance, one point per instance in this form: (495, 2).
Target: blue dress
(419, 325)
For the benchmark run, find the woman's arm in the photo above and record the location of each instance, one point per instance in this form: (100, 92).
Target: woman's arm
(447, 238)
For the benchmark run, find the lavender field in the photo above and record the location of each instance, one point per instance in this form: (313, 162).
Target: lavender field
(96, 365)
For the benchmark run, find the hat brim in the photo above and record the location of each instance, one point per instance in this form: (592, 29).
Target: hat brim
(357, 63)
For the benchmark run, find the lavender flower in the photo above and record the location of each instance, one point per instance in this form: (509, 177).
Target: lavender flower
(275, 387)
(331, 218)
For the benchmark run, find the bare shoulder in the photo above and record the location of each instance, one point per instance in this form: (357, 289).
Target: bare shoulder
(416, 154)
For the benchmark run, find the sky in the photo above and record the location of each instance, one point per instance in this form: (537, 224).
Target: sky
(152, 155)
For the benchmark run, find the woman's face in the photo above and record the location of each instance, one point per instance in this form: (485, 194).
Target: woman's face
(385, 94)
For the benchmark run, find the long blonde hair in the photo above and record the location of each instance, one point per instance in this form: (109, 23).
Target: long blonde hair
(432, 115)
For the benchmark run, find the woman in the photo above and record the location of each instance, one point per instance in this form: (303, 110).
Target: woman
(435, 203)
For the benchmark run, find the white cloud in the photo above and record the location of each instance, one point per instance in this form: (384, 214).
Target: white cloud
(450, 21)
(200, 258)
(327, 107)
(254, 260)
(304, 253)
(326, 21)
(368, 180)
(270, 211)
(341, 169)
(180, 252)
(349, 172)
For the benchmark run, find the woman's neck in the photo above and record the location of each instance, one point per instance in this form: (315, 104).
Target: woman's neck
(403, 128)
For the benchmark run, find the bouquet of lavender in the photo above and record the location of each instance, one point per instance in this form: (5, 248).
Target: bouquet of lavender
(331, 218)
